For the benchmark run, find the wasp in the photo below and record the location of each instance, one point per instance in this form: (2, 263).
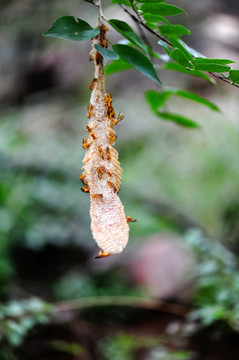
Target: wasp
(129, 219)
(98, 58)
(101, 152)
(108, 154)
(112, 186)
(107, 171)
(85, 189)
(82, 178)
(119, 118)
(97, 196)
(108, 100)
(104, 29)
(93, 136)
(101, 169)
(102, 254)
(90, 111)
(104, 43)
(91, 86)
(99, 172)
(85, 145)
(88, 128)
(113, 137)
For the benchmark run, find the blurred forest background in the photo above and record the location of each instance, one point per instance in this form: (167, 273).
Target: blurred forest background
(181, 185)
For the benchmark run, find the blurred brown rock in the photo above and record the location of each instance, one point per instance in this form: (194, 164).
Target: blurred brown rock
(163, 267)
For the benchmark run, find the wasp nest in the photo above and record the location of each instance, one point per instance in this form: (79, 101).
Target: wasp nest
(102, 171)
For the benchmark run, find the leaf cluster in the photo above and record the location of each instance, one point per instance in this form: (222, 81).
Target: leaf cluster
(137, 53)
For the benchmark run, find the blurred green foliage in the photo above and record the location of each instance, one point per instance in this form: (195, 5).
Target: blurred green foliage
(39, 208)
(18, 317)
(217, 281)
(125, 346)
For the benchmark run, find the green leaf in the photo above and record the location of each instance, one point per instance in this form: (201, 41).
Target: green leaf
(212, 61)
(180, 68)
(156, 99)
(68, 27)
(178, 119)
(154, 18)
(125, 30)
(124, 2)
(165, 46)
(151, 25)
(178, 44)
(211, 67)
(175, 30)
(191, 96)
(150, 1)
(178, 56)
(161, 9)
(117, 65)
(107, 54)
(137, 60)
(234, 76)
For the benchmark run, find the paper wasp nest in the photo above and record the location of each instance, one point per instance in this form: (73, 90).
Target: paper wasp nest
(102, 171)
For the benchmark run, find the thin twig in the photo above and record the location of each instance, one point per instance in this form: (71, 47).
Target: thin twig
(129, 301)
(141, 32)
(101, 16)
(145, 26)
(216, 75)
(223, 78)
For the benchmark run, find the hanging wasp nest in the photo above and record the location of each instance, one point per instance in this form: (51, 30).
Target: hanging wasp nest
(102, 171)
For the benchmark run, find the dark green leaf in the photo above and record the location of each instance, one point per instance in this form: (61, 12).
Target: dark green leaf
(194, 97)
(124, 2)
(211, 67)
(156, 99)
(212, 61)
(178, 44)
(150, 1)
(180, 68)
(161, 9)
(107, 54)
(117, 65)
(178, 119)
(68, 27)
(178, 56)
(137, 60)
(234, 76)
(125, 30)
(175, 30)
(154, 18)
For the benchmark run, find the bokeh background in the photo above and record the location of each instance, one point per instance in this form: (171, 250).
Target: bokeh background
(181, 185)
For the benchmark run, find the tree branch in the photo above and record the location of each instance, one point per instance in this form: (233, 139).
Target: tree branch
(166, 41)
(129, 301)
